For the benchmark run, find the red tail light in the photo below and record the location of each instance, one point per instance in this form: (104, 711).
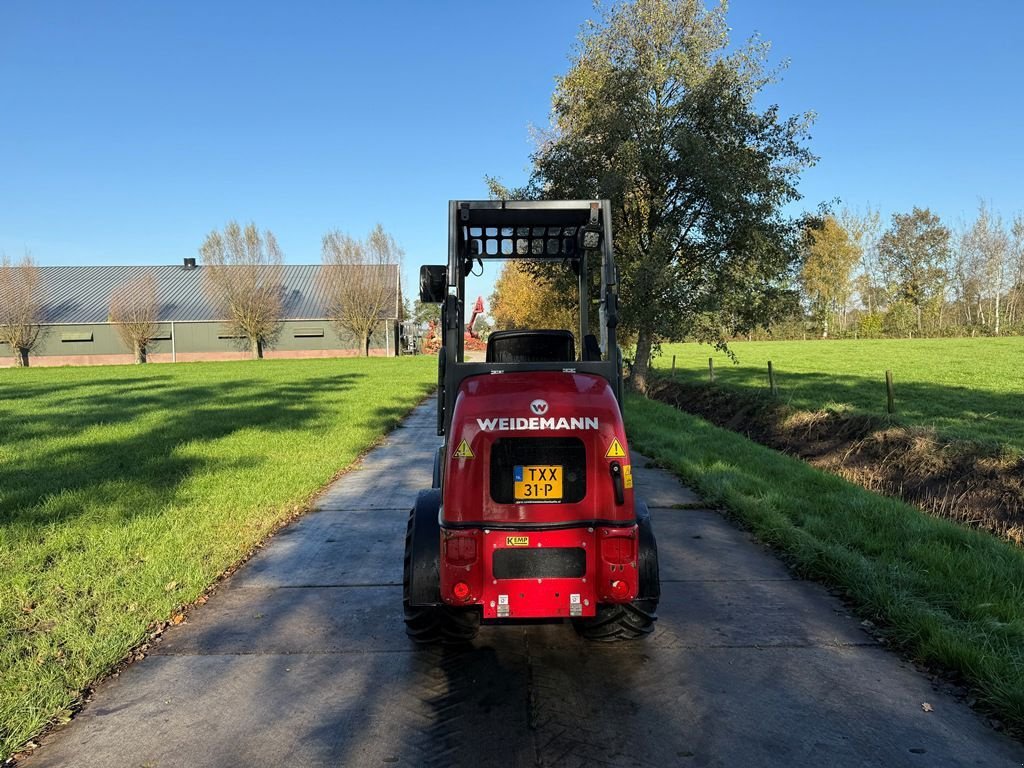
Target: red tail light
(461, 590)
(620, 589)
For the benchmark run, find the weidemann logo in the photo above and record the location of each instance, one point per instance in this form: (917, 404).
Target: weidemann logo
(533, 423)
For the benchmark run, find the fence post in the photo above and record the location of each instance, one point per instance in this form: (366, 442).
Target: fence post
(890, 396)
(771, 379)
(673, 366)
(711, 370)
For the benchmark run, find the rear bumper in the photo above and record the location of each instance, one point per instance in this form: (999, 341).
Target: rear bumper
(532, 574)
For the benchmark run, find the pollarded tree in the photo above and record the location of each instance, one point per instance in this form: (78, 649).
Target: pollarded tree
(360, 281)
(244, 271)
(20, 307)
(913, 253)
(134, 313)
(657, 114)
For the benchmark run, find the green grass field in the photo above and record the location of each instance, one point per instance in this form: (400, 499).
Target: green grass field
(947, 595)
(125, 491)
(965, 388)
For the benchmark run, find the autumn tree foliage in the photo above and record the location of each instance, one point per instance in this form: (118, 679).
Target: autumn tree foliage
(359, 280)
(20, 307)
(134, 313)
(524, 298)
(243, 272)
(826, 276)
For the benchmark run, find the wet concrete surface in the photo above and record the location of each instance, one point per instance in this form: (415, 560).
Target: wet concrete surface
(300, 659)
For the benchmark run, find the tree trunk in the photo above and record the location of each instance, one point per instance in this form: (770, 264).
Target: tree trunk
(21, 357)
(996, 314)
(642, 363)
(366, 345)
(140, 353)
(257, 349)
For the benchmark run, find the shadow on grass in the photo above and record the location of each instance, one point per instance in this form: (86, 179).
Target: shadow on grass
(129, 472)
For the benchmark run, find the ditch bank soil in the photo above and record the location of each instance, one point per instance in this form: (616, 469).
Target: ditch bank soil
(972, 483)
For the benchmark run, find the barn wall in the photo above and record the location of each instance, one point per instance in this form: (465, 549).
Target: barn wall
(72, 345)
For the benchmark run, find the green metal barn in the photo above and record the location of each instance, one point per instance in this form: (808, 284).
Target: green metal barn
(76, 308)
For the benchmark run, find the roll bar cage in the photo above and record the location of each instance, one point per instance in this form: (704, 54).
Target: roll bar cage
(568, 231)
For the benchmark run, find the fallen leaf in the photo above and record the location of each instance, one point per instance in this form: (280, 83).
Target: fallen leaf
(927, 707)
(177, 618)
(170, 585)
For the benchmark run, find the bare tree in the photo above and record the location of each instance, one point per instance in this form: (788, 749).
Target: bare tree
(133, 311)
(1016, 292)
(20, 307)
(244, 272)
(864, 230)
(359, 280)
(989, 243)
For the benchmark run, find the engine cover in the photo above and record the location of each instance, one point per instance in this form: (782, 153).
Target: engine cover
(539, 449)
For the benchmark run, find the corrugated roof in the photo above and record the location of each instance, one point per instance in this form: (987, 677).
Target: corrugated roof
(82, 294)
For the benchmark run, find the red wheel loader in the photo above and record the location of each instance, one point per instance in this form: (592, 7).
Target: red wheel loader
(532, 515)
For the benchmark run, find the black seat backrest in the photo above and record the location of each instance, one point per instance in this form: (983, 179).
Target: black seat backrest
(591, 349)
(531, 347)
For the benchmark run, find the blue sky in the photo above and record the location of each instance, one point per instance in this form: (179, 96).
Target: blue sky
(129, 130)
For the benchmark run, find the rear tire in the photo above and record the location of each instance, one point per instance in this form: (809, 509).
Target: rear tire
(434, 622)
(630, 621)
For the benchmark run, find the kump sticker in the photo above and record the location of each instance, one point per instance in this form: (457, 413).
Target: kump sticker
(517, 541)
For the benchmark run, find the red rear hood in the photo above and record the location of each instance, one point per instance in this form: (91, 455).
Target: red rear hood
(534, 404)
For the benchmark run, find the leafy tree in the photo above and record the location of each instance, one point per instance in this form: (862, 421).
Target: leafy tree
(913, 253)
(243, 272)
(20, 307)
(133, 311)
(899, 319)
(424, 313)
(831, 257)
(523, 298)
(360, 284)
(657, 114)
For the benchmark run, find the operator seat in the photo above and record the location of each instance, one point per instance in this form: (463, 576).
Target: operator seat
(545, 346)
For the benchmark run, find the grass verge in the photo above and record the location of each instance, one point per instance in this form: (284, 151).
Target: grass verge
(126, 491)
(947, 595)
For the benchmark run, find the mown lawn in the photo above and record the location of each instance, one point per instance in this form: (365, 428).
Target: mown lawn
(125, 491)
(965, 388)
(947, 595)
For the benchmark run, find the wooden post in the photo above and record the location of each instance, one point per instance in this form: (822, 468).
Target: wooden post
(711, 370)
(890, 396)
(673, 366)
(771, 379)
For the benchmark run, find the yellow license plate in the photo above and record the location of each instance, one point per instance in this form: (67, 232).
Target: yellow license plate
(538, 483)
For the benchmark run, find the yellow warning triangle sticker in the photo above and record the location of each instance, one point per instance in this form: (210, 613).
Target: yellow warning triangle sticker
(464, 452)
(615, 450)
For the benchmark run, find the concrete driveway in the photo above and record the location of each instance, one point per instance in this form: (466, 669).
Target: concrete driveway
(300, 659)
